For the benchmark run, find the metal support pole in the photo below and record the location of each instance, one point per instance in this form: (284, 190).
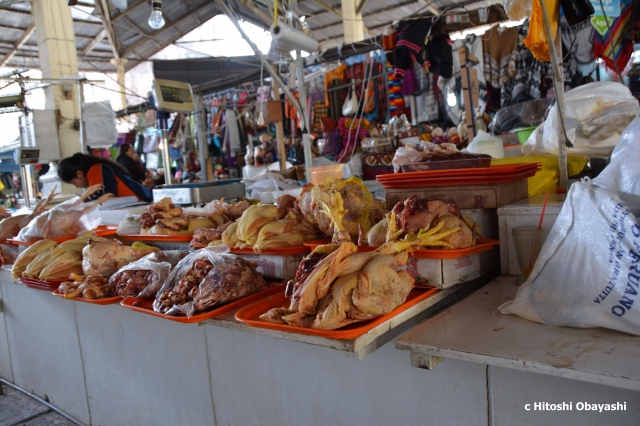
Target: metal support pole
(165, 156)
(25, 186)
(83, 140)
(306, 140)
(201, 131)
(558, 84)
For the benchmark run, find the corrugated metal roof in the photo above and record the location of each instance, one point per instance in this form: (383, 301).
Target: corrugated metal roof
(138, 42)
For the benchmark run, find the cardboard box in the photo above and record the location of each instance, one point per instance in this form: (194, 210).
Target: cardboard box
(282, 267)
(465, 196)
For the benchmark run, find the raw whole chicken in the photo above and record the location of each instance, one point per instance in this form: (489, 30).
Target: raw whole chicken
(361, 210)
(107, 257)
(414, 214)
(11, 227)
(336, 285)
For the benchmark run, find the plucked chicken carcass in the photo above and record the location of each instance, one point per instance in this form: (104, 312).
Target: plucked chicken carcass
(205, 279)
(204, 236)
(164, 218)
(11, 226)
(362, 211)
(107, 257)
(414, 214)
(336, 285)
(28, 255)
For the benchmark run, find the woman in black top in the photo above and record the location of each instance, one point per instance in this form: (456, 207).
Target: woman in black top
(128, 159)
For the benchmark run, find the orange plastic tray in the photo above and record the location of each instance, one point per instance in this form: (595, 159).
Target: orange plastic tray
(280, 251)
(103, 301)
(100, 232)
(459, 180)
(168, 238)
(444, 253)
(39, 284)
(501, 170)
(146, 306)
(250, 315)
(315, 243)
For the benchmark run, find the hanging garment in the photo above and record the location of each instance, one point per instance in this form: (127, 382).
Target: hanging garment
(500, 55)
(621, 35)
(473, 44)
(536, 40)
(381, 91)
(577, 46)
(530, 75)
(411, 37)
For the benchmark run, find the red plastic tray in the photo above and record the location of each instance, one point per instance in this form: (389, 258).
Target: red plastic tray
(146, 306)
(443, 253)
(250, 315)
(103, 301)
(39, 284)
(500, 170)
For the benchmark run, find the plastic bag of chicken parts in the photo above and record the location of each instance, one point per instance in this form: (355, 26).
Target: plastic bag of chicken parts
(588, 271)
(72, 217)
(206, 279)
(143, 278)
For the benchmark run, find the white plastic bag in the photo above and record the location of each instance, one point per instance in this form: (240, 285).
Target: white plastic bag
(588, 271)
(596, 115)
(78, 217)
(484, 143)
(100, 124)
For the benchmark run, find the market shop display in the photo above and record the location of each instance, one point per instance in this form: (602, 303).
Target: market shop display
(164, 218)
(336, 285)
(205, 279)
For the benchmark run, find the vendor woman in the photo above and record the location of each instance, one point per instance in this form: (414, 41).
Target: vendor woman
(83, 171)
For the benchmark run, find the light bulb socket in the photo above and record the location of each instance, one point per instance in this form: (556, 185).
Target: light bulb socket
(156, 5)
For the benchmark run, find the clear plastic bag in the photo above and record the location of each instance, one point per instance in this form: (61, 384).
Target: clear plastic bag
(484, 143)
(107, 257)
(207, 278)
(596, 114)
(144, 277)
(404, 155)
(72, 217)
(517, 9)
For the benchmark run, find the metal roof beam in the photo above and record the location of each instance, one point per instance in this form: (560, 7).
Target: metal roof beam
(330, 8)
(251, 5)
(130, 9)
(25, 36)
(102, 7)
(93, 43)
(141, 31)
(161, 30)
(360, 6)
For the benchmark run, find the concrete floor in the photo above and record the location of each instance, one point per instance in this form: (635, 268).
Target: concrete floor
(17, 409)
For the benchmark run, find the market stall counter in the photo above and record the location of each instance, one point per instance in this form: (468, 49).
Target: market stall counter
(595, 355)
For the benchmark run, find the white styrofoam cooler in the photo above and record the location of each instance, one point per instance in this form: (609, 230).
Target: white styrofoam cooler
(445, 273)
(524, 213)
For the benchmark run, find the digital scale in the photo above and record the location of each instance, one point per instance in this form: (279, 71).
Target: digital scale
(200, 192)
(173, 96)
(27, 156)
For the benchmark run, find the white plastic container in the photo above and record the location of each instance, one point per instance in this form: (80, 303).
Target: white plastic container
(524, 213)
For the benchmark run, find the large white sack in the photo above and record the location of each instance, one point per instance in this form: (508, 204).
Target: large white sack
(588, 271)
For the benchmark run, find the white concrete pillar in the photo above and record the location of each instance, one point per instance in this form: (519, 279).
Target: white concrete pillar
(352, 21)
(57, 53)
(120, 63)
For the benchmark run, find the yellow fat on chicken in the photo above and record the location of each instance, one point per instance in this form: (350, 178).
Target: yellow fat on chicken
(289, 239)
(27, 256)
(252, 221)
(230, 236)
(62, 266)
(39, 263)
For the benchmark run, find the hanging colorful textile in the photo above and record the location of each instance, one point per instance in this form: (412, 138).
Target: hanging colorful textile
(603, 46)
(536, 40)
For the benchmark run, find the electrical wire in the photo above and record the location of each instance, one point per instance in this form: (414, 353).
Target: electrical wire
(131, 92)
(113, 90)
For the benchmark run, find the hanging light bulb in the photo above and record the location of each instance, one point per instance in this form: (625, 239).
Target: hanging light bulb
(451, 99)
(156, 21)
(260, 121)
